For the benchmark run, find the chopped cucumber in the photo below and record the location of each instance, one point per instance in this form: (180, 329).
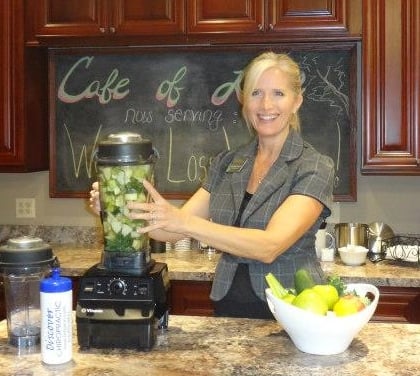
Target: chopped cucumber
(118, 185)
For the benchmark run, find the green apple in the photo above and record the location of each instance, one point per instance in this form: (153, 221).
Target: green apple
(311, 301)
(327, 292)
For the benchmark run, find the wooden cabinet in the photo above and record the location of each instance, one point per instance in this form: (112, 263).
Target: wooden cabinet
(110, 21)
(23, 96)
(398, 304)
(190, 298)
(391, 87)
(139, 22)
(274, 19)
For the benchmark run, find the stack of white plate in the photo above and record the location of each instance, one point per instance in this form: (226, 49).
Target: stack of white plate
(183, 245)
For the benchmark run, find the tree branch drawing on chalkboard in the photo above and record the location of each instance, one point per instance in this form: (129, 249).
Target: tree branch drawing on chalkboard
(327, 84)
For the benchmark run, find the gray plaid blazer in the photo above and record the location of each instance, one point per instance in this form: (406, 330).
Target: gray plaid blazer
(299, 169)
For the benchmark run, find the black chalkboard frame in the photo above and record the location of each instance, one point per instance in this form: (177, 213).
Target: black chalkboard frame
(348, 193)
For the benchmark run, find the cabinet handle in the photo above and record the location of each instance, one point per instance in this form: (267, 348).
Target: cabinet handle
(102, 30)
(260, 27)
(112, 29)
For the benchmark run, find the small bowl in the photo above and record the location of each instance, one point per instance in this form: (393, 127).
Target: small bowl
(322, 335)
(353, 255)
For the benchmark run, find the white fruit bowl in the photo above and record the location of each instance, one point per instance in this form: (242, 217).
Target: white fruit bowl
(322, 335)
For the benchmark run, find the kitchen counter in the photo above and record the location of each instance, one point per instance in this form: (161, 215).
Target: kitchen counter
(200, 266)
(208, 346)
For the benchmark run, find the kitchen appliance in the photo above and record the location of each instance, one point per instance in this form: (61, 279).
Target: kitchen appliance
(122, 301)
(351, 234)
(24, 262)
(378, 232)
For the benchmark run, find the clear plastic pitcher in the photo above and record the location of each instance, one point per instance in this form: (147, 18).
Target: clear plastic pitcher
(24, 262)
(124, 160)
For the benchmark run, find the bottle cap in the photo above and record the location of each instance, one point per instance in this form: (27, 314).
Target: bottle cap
(55, 283)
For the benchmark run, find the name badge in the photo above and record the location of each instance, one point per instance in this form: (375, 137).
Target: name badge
(236, 165)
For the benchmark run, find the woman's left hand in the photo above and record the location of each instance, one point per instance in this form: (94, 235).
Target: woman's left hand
(159, 213)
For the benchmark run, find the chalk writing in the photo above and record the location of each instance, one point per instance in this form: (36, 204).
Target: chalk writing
(111, 89)
(170, 90)
(89, 161)
(134, 116)
(209, 117)
(223, 92)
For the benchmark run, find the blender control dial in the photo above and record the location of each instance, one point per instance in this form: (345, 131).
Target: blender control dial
(117, 286)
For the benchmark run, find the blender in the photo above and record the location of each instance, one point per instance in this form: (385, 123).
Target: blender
(123, 299)
(24, 262)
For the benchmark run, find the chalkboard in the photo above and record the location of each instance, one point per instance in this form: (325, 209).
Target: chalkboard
(185, 101)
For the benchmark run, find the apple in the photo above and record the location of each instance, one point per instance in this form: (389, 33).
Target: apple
(348, 304)
(311, 301)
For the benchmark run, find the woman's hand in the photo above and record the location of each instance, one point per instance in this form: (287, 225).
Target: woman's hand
(95, 204)
(159, 213)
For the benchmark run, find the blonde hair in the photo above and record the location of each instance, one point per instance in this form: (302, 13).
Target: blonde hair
(257, 67)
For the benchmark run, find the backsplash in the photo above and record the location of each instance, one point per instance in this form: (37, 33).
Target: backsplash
(54, 234)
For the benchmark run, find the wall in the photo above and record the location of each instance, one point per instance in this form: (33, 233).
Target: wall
(393, 200)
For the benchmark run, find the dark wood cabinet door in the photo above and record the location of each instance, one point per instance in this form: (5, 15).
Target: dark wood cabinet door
(221, 16)
(145, 17)
(391, 87)
(67, 18)
(7, 132)
(23, 96)
(53, 19)
(398, 304)
(310, 16)
(291, 18)
(190, 298)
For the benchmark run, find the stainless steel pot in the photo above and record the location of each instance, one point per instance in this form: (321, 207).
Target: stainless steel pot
(351, 233)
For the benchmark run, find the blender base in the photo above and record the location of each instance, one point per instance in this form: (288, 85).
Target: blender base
(119, 310)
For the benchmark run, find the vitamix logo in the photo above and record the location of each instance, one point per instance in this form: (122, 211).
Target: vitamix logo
(91, 310)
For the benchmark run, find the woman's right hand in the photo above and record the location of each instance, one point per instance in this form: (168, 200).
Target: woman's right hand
(95, 204)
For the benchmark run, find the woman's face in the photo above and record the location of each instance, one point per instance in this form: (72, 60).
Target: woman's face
(272, 103)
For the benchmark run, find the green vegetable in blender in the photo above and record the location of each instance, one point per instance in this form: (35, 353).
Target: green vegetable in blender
(118, 185)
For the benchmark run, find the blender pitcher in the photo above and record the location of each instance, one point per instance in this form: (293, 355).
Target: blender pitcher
(24, 262)
(123, 160)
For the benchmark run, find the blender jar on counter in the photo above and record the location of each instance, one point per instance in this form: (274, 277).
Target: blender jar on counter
(123, 161)
(24, 262)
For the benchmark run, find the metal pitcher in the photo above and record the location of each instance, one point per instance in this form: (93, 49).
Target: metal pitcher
(351, 233)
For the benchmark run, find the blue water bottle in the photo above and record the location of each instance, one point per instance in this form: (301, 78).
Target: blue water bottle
(56, 318)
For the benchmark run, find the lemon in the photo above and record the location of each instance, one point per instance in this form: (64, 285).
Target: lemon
(311, 301)
(348, 305)
(327, 292)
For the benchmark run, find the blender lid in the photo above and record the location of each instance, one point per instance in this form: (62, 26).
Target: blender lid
(125, 147)
(25, 251)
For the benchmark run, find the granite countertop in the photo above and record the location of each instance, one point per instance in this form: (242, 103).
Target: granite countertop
(208, 346)
(200, 266)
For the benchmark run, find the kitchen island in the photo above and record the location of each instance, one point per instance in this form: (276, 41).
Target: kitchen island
(209, 346)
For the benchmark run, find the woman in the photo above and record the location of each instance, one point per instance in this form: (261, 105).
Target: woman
(262, 203)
